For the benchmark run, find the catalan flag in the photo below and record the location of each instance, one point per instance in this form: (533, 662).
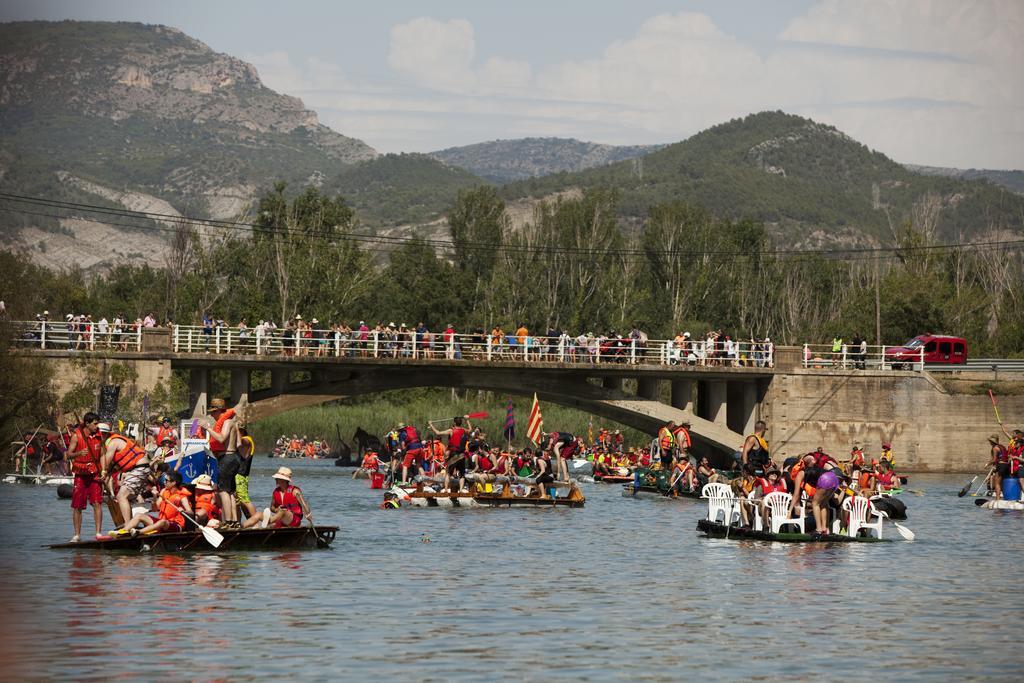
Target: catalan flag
(509, 432)
(535, 423)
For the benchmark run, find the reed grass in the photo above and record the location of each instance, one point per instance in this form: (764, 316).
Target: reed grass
(383, 412)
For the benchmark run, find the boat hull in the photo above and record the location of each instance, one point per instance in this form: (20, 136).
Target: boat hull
(718, 530)
(297, 538)
(37, 479)
(655, 492)
(1002, 505)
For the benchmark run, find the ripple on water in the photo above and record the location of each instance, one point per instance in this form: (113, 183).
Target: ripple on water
(623, 589)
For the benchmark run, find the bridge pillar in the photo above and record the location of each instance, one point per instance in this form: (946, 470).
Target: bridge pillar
(742, 406)
(682, 392)
(279, 381)
(647, 388)
(614, 383)
(239, 386)
(715, 401)
(199, 390)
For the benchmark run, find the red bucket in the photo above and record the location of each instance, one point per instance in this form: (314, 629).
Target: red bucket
(376, 480)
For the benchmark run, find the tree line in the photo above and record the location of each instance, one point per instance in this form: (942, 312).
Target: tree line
(575, 264)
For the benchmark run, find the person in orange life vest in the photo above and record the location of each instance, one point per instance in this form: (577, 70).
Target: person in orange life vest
(84, 453)
(683, 471)
(804, 474)
(128, 460)
(370, 464)
(165, 432)
(288, 506)
(682, 442)
(867, 478)
(855, 465)
(207, 505)
(173, 500)
(665, 443)
(222, 425)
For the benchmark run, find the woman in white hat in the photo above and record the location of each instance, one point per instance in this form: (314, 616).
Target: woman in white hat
(207, 508)
(287, 507)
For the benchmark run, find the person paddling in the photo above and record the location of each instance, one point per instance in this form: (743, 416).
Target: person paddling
(288, 507)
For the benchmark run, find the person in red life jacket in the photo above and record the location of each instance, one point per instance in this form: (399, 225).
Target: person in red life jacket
(222, 428)
(410, 445)
(288, 507)
(617, 441)
(458, 439)
(84, 453)
(172, 501)
(370, 464)
(886, 478)
(127, 459)
(563, 446)
(771, 482)
(207, 503)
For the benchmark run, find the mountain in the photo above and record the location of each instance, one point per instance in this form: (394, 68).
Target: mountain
(1011, 180)
(809, 182)
(503, 161)
(144, 116)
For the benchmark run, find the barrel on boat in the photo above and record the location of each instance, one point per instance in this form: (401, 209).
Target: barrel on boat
(376, 480)
(1011, 488)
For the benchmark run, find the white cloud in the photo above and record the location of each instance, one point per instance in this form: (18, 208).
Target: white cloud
(435, 54)
(932, 81)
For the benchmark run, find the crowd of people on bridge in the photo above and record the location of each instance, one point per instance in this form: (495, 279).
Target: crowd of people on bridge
(299, 336)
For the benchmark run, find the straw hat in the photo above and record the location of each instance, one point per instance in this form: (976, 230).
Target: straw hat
(283, 473)
(203, 482)
(217, 404)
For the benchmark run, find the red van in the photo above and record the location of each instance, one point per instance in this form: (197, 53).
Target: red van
(938, 349)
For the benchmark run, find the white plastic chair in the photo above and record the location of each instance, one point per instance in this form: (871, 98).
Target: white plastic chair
(778, 504)
(720, 501)
(860, 510)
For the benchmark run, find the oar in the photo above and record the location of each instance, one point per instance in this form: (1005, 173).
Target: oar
(963, 492)
(472, 416)
(906, 533)
(994, 406)
(212, 536)
(313, 529)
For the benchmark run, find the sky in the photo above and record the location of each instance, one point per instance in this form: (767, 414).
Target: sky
(934, 82)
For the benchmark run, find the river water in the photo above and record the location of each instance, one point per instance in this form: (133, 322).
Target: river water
(622, 589)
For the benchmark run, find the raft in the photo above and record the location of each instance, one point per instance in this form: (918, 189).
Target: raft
(38, 479)
(719, 530)
(994, 504)
(646, 491)
(464, 499)
(612, 478)
(290, 538)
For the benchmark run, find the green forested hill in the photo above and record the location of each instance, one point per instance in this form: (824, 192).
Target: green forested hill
(794, 174)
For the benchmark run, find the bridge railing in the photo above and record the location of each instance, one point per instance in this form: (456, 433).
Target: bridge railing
(374, 344)
(455, 347)
(854, 357)
(77, 336)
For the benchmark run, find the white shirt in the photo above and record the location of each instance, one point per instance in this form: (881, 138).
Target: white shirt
(102, 326)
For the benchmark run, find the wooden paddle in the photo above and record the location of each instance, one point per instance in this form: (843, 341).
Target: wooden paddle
(212, 536)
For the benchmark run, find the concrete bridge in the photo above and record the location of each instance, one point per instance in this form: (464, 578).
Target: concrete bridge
(934, 425)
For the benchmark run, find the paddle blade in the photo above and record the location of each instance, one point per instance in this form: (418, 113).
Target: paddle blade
(194, 429)
(980, 501)
(212, 536)
(962, 492)
(906, 533)
(478, 416)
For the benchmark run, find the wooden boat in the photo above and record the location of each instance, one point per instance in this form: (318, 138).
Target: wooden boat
(425, 497)
(646, 491)
(290, 538)
(719, 530)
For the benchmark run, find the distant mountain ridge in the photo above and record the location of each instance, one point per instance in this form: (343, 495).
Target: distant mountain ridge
(503, 161)
(809, 182)
(1011, 180)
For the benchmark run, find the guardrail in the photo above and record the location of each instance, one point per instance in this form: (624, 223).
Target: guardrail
(85, 336)
(861, 357)
(408, 344)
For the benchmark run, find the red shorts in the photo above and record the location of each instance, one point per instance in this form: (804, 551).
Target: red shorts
(86, 489)
(413, 456)
(296, 521)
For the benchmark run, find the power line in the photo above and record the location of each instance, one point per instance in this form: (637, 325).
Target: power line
(846, 254)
